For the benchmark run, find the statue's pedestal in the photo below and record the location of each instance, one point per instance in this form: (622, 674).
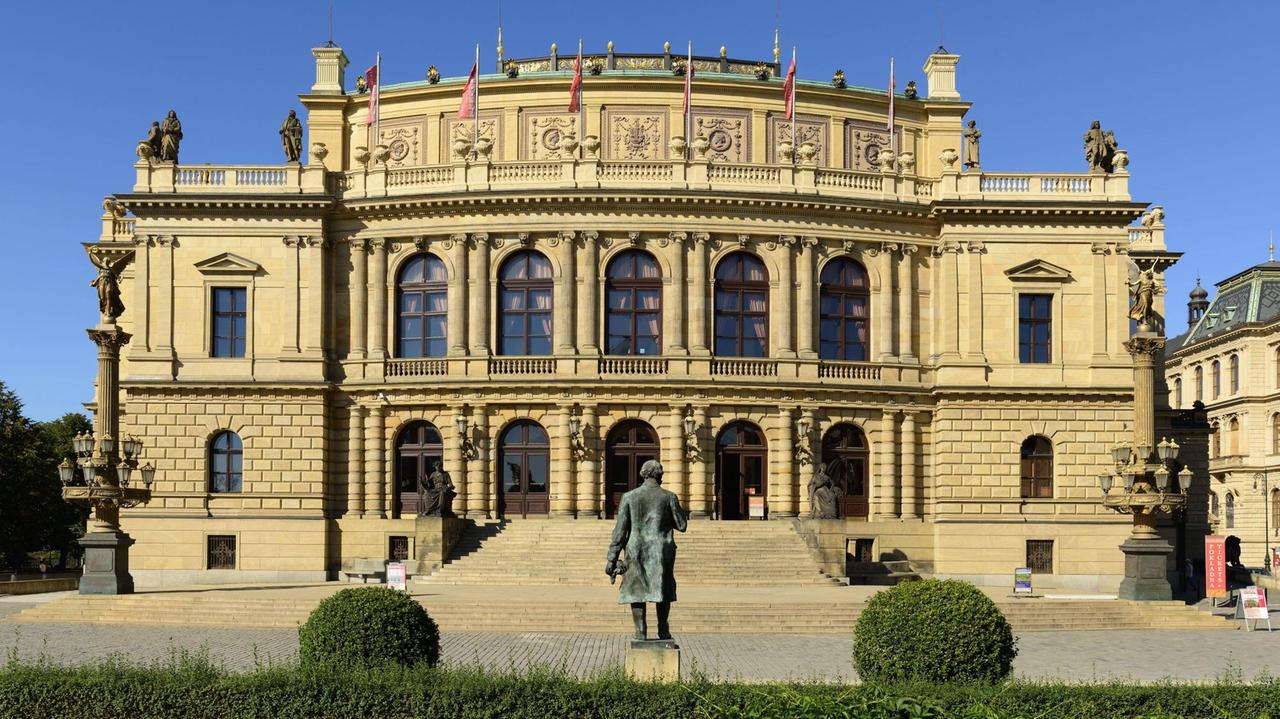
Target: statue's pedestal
(1145, 570)
(106, 563)
(435, 539)
(653, 660)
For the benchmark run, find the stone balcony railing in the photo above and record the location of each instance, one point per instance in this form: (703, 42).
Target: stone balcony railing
(1226, 463)
(376, 180)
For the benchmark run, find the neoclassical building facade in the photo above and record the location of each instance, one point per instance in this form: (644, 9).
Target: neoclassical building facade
(543, 310)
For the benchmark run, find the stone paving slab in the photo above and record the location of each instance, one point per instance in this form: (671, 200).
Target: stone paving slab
(1076, 656)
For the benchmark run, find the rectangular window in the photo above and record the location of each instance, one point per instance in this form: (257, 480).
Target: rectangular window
(1040, 556)
(1034, 328)
(399, 549)
(862, 550)
(222, 551)
(230, 321)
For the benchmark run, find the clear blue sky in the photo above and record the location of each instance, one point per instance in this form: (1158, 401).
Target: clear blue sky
(1184, 84)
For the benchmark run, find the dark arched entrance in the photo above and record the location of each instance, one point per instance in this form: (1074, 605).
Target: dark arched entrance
(844, 455)
(523, 469)
(740, 470)
(418, 448)
(630, 444)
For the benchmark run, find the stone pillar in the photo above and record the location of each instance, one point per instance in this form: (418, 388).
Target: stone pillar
(673, 322)
(377, 326)
(141, 294)
(1144, 346)
(948, 302)
(883, 330)
(561, 480)
(164, 298)
(106, 415)
(313, 318)
(587, 308)
(375, 470)
(358, 293)
(888, 499)
(477, 500)
(589, 492)
(808, 311)
(783, 504)
(292, 321)
(910, 492)
(701, 473)
(564, 305)
(675, 478)
(907, 304)
(456, 321)
(1118, 313)
(783, 319)
(1099, 319)
(802, 487)
(699, 290)
(355, 461)
(479, 295)
(976, 350)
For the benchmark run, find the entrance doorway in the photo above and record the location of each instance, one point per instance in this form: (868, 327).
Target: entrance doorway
(630, 444)
(844, 455)
(524, 458)
(740, 472)
(418, 449)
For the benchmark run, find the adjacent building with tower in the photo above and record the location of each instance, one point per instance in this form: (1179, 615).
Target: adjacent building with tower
(543, 302)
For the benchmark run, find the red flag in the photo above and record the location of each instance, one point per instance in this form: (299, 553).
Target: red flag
(789, 88)
(467, 109)
(688, 79)
(575, 90)
(371, 81)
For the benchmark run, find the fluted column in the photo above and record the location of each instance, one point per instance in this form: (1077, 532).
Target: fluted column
(807, 314)
(699, 291)
(783, 503)
(377, 328)
(359, 293)
(884, 304)
(456, 320)
(673, 323)
(888, 499)
(562, 325)
(355, 462)
(561, 481)
(375, 471)
(701, 492)
(907, 304)
(589, 491)
(910, 492)
(479, 295)
(588, 306)
(784, 320)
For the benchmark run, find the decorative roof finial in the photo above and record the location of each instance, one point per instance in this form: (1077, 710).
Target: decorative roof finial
(722, 51)
(610, 46)
(777, 54)
(666, 46)
(1271, 246)
(499, 43)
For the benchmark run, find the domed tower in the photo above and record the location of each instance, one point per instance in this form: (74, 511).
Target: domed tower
(1199, 303)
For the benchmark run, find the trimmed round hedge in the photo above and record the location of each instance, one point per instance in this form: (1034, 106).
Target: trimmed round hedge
(369, 626)
(933, 631)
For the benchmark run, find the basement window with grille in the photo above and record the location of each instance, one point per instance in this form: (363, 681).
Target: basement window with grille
(862, 549)
(399, 550)
(222, 551)
(1040, 556)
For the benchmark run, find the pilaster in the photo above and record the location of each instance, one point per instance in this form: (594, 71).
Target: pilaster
(907, 304)
(676, 478)
(673, 322)
(785, 300)
(1100, 286)
(910, 490)
(479, 295)
(454, 463)
(560, 483)
(355, 461)
(883, 330)
(976, 350)
(808, 309)
(313, 263)
(358, 292)
(292, 324)
(376, 476)
(562, 327)
(588, 467)
(458, 299)
(588, 343)
(783, 504)
(701, 495)
(378, 288)
(698, 293)
(887, 471)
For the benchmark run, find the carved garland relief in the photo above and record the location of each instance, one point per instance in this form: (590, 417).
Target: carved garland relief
(805, 128)
(635, 134)
(863, 142)
(455, 129)
(404, 142)
(727, 131)
(543, 133)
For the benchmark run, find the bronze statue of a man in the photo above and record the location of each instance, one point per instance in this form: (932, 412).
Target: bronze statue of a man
(170, 137)
(291, 137)
(971, 137)
(646, 517)
(436, 493)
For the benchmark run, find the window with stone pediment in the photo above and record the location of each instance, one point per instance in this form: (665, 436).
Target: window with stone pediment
(524, 309)
(1037, 468)
(1035, 328)
(422, 294)
(741, 306)
(226, 463)
(633, 305)
(844, 310)
(230, 322)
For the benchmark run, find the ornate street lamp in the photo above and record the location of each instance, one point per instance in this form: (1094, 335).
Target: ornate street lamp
(469, 450)
(576, 446)
(804, 452)
(1260, 485)
(692, 452)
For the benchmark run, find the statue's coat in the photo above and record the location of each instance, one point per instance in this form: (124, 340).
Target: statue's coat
(646, 517)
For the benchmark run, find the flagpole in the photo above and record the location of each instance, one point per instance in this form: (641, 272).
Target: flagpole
(582, 107)
(688, 111)
(795, 141)
(377, 89)
(475, 109)
(893, 139)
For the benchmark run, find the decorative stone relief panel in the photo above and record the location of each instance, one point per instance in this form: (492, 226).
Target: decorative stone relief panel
(541, 132)
(404, 139)
(805, 128)
(728, 132)
(490, 129)
(863, 142)
(635, 133)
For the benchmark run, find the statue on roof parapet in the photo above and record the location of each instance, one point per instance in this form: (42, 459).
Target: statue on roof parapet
(170, 137)
(1100, 148)
(291, 137)
(971, 137)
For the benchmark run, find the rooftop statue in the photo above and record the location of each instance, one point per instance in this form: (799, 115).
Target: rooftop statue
(150, 147)
(170, 137)
(291, 137)
(971, 137)
(646, 517)
(1099, 148)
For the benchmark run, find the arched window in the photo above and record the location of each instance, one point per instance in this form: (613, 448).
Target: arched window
(422, 307)
(226, 463)
(742, 307)
(1216, 378)
(1233, 436)
(1231, 510)
(1235, 373)
(1177, 393)
(1037, 467)
(524, 314)
(843, 311)
(844, 457)
(1275, 512)
(1199, 384)
(633, 305)
(1215, 440)
(418, 451)
(1278, 367)
(1214, 507)
(1275, 433)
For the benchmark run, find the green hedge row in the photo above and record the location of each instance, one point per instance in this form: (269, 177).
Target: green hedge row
(196, 690)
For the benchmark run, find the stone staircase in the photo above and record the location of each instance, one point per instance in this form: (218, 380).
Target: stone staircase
(572, 553)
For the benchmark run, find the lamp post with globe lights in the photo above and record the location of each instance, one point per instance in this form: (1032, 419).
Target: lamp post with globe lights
(1261, 486)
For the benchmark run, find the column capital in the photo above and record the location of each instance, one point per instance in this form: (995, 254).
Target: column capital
(165, 240)
(1100, 248)
(890, 413)
(480, 238)
(908, 250)
(976, 247)
(457, 239)
(943, 248)
(784, 241)
(808, 241)
(887, 248)
(677, 238)
(700, 237)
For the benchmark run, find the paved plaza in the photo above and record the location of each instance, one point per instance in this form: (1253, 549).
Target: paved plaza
(1075, 656)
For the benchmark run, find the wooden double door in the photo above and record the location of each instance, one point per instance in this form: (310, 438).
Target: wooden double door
(741, 457)
(418, 451)
(629, 445)
(524, 470)
(844, 455)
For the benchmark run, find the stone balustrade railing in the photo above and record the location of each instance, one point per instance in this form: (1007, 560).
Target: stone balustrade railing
(377, 180)
(738, 369)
